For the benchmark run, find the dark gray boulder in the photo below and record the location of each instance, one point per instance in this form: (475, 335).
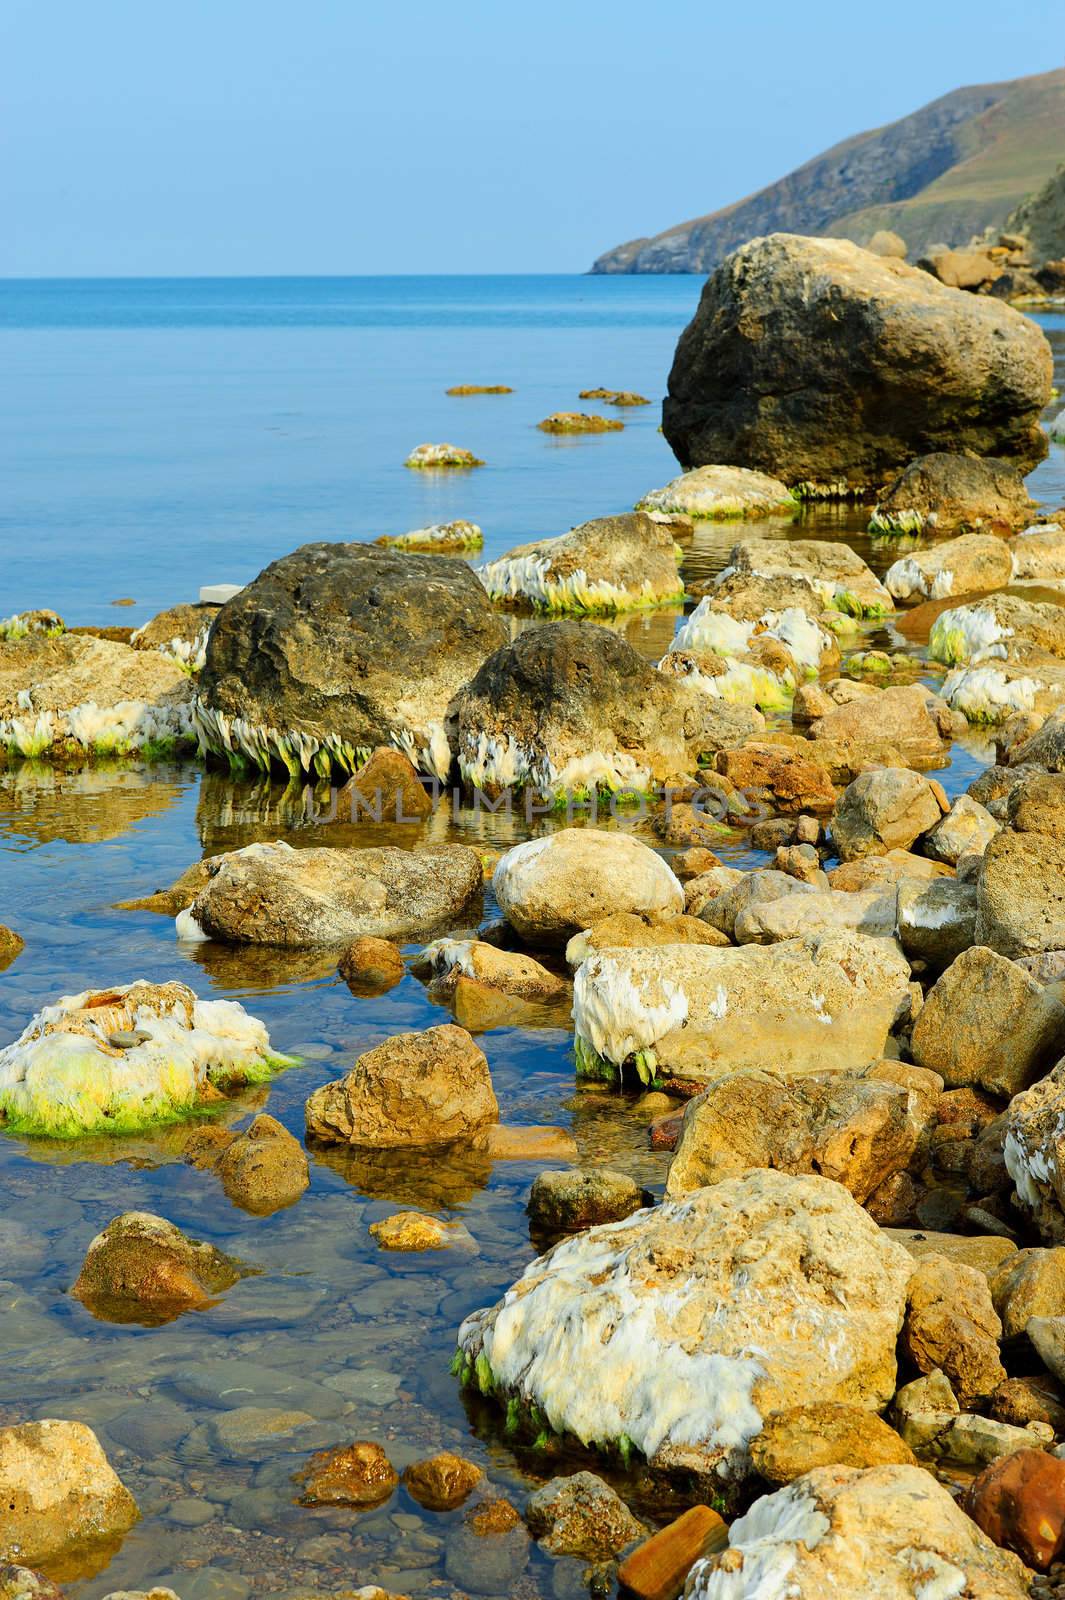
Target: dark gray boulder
(571, 706)
(832, 368)
(338, 648)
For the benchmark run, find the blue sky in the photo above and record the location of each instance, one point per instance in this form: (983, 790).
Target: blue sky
(349, 136)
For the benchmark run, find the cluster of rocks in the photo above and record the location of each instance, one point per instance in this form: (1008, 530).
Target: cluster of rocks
(1003, 266)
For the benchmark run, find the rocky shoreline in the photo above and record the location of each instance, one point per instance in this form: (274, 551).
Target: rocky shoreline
(807, 1334)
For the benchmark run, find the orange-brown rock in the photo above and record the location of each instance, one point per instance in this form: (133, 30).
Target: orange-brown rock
(658, 1568)
(371, 966)
(1019, 1502)
(784, 776)
(357, 1474)
(443, 1481)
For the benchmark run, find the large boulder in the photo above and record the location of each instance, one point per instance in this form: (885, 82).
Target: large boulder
(987, 1023)
(837, 574)
(827, 366)
(73, 694)
(891, 1532)
(60, 1494)
(555, 886)
(905, 717)
(858, 1131)
(824, 1003)
(677, 1332)
(570, 706)
(974, 564)
(142, 1268)
(881, 811)
(1021, 889)
(338, 648)
(273, 894)
(948, 493)
(720, 492)
(415, 1089)
(623, 563)
(122, 1059)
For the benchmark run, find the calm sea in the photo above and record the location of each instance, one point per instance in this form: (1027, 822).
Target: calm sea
(160, 434)
(157, 434)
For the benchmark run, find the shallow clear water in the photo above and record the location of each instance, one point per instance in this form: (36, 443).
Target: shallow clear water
(164, 435)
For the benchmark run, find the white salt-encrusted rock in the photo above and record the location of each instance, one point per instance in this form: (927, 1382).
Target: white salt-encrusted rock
(751, 662)
(624, 563)
(441, 537)
(1000, 628)
(553, 887)
(882, 1533)
(74, 693)
(721, 492)
(117, 1060)
(679, 1329)
(826, 1002)
(991, 693)
(974, 564)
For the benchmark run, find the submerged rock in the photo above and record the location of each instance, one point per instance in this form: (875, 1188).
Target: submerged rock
(273, 894)
(570, 707)
(443, 1481)
(414, 1231)
(839, 1530)
(338, 648)
(73, 695)
(119, 1060)
(623, 563)
(371, 966)
(566, 1202)
(944, 492)
(581, 1516)
(822, 1003)
(353, 1475)
(718, 492)
(842, 329)
(59, 1493)
(555, 886)
(144, 1269)
(262, 1168)
(11, 945)
(429, 1088)
(676, 1333)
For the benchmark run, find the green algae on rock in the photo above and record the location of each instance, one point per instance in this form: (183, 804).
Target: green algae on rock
(440, 537)
(721, 493)
(50, 623)
(579, 422)
(121, 1060)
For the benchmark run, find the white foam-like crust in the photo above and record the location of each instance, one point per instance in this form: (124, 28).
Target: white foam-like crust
(449, 955)
(768, 1536)
(707, 629)
(531, 577)
(967, 633)
(264, 745)
(987, 694)
(69, 1072)
(620, 1017)
(191, 653)
(908, 577)
(587, 1315)
(742, 683)
(188, 930)
(1056, 428)
(127, 725)
(490, 762)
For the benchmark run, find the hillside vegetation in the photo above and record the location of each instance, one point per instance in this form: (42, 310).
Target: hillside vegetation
(959, 165)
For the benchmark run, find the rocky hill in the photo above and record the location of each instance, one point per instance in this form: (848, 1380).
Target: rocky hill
(959, 165)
